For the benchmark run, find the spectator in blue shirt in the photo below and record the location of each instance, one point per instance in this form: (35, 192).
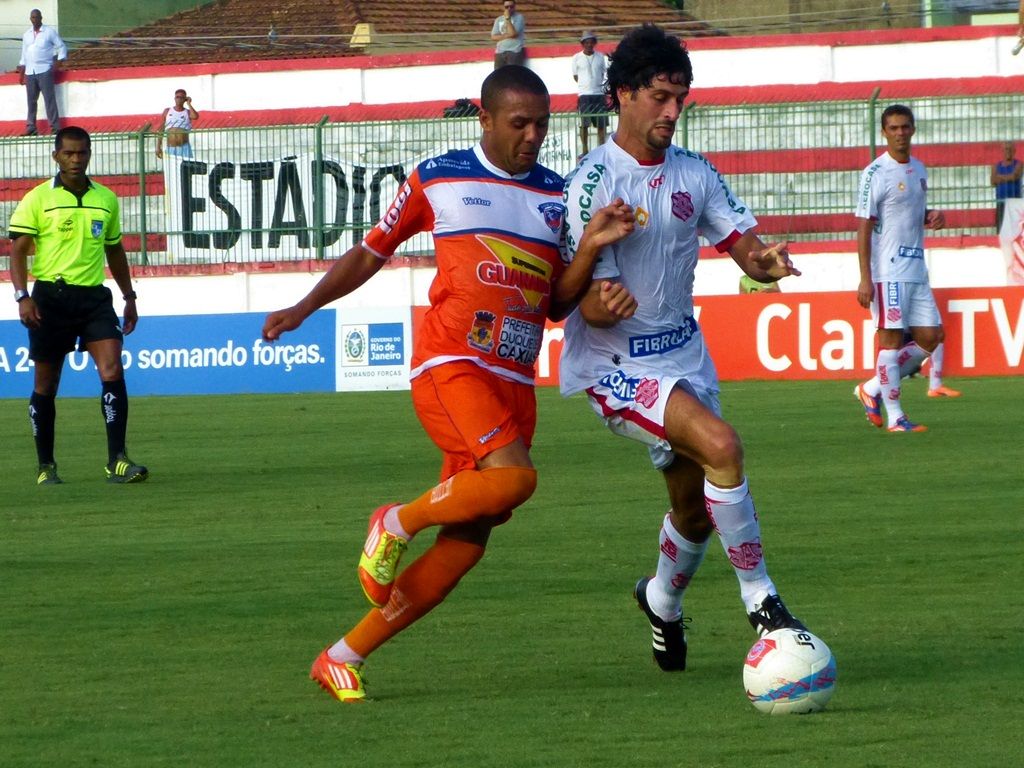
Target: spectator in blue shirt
(1006, 176)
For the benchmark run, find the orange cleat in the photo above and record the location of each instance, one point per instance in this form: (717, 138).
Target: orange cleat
(343, 681)
(872, 408)
(903, 424)
(944, 392)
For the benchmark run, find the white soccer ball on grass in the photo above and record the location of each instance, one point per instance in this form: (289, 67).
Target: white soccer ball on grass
(789, 671)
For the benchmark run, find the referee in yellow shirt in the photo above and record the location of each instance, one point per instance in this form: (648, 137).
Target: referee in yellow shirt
(74, 223)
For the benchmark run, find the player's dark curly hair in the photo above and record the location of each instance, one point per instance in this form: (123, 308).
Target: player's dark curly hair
(643, 54)
(510, 77)
(897, 109)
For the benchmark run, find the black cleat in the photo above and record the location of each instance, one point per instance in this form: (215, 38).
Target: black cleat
(124, 470)
(772, 614)
(668, 640)
(48, 475)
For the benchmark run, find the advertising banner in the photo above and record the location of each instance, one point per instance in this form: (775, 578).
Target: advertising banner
(374, 347)
(192, 355)
(245, 210)
(830, 336)
(756, 336)
(238, 203)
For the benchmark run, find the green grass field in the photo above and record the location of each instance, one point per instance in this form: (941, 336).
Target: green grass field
(173, 623)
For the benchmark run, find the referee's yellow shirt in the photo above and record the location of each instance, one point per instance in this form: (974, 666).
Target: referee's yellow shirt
(70, 230)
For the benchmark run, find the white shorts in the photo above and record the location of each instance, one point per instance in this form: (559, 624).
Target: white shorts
(634, 407)
(904, 305)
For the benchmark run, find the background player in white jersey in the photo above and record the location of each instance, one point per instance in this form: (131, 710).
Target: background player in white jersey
(634, 346)
(892, 216)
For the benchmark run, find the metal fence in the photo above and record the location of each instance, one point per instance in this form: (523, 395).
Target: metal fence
(272, 193)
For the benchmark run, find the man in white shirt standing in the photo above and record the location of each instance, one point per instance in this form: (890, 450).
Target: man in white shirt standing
(634, 346)
(588, 68)
(891, 218)
(40, 45)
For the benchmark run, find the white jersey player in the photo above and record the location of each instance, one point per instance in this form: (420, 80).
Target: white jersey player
(634, 346)
(672, 202)
(892, 216)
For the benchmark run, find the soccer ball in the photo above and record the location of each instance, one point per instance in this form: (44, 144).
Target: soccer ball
(789, 671)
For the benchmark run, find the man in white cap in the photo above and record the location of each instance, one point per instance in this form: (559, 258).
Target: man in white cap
(588, 68)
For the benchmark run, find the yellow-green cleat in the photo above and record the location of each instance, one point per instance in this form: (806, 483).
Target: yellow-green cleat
(48, 475)
(124, 470)
(343, 681)
(378, 562)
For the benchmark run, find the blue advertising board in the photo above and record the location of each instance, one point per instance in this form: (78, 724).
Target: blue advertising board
(193, 355)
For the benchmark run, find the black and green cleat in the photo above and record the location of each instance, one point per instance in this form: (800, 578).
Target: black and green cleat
(48, 475)
(124, 470)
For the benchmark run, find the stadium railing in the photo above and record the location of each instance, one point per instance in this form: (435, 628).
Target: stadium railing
(295, 192)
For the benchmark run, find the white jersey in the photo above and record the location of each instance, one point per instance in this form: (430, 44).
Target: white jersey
(674, 201)
(893, 194)
(176, 119)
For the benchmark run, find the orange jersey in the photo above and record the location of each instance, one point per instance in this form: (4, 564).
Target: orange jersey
(496, 240)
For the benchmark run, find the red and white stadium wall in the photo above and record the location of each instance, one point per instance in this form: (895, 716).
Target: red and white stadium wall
(943, 61)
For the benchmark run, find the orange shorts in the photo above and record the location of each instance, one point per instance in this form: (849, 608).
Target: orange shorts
(469, 412)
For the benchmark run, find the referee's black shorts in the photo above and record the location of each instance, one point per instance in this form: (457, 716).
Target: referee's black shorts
(71, 313)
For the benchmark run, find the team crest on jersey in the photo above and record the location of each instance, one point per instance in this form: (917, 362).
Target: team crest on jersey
(515, 268)
(554, 214)
(96, 228)
(481, 335)
(641, 216)
(682, 205)
(901, 186)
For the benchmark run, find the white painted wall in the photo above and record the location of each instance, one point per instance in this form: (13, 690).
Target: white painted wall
(741, 66)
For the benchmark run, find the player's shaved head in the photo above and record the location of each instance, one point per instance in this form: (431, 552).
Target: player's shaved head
(642, 55)
(511, 77)
(72, 133)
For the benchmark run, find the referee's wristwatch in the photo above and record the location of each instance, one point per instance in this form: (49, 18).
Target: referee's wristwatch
(20, 294)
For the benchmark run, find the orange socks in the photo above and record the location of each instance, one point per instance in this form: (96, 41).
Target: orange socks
(469, 495)
(418, 589)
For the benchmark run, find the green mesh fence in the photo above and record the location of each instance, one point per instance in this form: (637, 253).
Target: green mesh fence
(286, 193)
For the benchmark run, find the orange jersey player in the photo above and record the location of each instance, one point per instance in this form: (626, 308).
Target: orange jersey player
(496, 218)
(496, 240)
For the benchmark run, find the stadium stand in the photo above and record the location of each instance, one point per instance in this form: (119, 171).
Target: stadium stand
(793, 152)
(258, 30)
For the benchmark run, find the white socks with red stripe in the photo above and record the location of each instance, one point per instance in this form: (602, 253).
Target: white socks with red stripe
(888, 369)
(735, 520)
(678, 560)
